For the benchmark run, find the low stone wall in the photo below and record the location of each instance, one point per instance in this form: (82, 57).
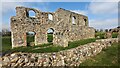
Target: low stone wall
(71, 57)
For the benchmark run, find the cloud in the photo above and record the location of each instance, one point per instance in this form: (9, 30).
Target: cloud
(104, 24)
(9, 10)
(12, 5)
(103, 7)
(5, 26)
(80, 12)
(6, 9)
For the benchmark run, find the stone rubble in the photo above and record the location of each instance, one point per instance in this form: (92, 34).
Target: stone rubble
(71, 57)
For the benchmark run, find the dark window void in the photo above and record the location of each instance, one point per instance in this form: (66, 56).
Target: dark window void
(31, 13)
(73, 20)
(30, 38)
(50, 16)
(85, 21)
(50, 35)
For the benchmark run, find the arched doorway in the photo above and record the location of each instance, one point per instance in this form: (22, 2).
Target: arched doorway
(30, 38)
(50, 32)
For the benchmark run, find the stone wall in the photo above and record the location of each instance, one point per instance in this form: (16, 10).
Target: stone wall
(67, 26)
(71, 57)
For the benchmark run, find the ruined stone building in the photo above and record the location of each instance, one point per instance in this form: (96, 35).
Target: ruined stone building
(67, 26)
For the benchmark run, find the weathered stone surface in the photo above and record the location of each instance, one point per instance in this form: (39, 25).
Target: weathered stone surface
(14, 60)
(26, 60)
(108, 35)
(67, 26)
(71, 57)
(20, 60)
(6, 59)
(0, 61)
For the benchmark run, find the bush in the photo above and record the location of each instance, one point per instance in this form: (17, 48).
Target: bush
(100, 34)
(114, 35)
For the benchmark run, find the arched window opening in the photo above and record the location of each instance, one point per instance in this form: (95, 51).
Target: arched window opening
(73, 20)
(85, 20)
(50, 35)
(31, 13)
(50, 16)
(30, 38)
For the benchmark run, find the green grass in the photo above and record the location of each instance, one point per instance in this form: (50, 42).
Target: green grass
(108, 57)
(30, 39)
(53, 48)
(80, 42)
(114, 35)
(6, 43)
(100, 34)
(50, 37)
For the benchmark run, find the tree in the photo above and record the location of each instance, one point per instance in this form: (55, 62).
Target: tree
(101, 30)
(96, 30)
(106, 30)
(6, 32)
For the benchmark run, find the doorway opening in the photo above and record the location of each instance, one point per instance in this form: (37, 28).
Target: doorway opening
(50, 35)
(30, 36)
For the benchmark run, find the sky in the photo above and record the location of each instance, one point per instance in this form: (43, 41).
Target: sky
(101, 15)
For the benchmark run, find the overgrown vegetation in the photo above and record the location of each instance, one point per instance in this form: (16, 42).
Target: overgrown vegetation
(114, 35)
(99, 35)
(108, 57)
(50, 37)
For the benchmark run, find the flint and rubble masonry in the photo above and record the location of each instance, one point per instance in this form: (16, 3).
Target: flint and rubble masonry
(71, 57)
(67, 26)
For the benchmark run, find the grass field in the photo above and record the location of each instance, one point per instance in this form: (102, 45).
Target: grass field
(108, 57)
(6, 44)
(101, 35)
(39, 48)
